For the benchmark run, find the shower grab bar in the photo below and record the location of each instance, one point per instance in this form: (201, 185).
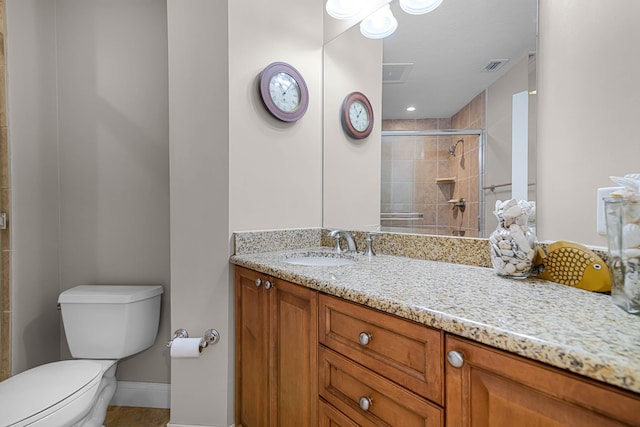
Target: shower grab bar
(492, 187)
(401, 216)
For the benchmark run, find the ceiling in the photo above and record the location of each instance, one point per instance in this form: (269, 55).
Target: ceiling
(449, 48)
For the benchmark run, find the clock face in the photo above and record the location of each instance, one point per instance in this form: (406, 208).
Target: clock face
(356, 115)
(359, 116)
(285, 92)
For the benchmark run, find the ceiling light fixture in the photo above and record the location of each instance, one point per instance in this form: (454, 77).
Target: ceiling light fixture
(411, 109)
(418, 7)
(344, 9)
(381, 23)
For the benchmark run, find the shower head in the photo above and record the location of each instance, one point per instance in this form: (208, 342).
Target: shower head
(452, 149)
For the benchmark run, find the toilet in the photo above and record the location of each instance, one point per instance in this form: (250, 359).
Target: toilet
(103, 324)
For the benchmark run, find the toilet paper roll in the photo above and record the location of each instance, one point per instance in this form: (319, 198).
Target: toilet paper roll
(185, 348)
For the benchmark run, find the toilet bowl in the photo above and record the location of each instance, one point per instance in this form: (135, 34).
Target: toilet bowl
(103, 324)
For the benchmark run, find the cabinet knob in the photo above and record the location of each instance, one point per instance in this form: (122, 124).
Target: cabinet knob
(365, 403)
(455, 358)
(365, 338)
(258, 282)
(268, 284)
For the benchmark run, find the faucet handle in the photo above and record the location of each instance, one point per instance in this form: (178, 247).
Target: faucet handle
(337, 248)
(369, 240)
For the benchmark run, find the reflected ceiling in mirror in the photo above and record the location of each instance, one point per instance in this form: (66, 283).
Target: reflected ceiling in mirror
(448, 50)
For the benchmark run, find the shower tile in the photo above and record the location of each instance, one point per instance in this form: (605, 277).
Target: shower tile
(5, 345)
(4, 157)
(402, 193)
(5, 294)
(401, 171)
(404, 148)
(426, 124)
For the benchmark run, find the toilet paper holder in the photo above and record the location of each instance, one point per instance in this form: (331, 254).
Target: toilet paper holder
(211, 336)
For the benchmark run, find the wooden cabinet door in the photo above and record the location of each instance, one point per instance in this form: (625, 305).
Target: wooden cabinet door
(294, 320)
(497, 389)
(252, 350)
(276, 352)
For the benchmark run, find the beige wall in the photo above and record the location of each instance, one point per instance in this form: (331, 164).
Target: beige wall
(233, 168)
(32, 109)
(275, 177)
(588, 98)
(88, 112)
(351, 191)
(201, 392)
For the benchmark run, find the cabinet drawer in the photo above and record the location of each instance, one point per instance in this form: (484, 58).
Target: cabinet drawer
(405, 352)
(328, 416)
(344, 384)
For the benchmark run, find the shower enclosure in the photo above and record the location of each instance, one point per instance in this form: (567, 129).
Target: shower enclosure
(431, 182)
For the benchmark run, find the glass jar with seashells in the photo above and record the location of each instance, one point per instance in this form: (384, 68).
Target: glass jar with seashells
(514, 242)
(623, 238)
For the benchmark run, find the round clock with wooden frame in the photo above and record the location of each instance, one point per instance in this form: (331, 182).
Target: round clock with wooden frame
(284, 92)
(356, 115)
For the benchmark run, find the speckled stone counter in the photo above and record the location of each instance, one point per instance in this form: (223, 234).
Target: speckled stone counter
(569, 328)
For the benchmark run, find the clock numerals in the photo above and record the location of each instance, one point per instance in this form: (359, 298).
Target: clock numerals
(284, 92)
(357, 115)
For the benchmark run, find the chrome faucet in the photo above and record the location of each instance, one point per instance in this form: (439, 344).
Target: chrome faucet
(351, 244)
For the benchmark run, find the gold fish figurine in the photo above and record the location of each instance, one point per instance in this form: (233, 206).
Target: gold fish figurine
(574, 265)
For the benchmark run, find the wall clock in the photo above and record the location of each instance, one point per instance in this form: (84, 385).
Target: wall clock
(284, 92)
(356, 115)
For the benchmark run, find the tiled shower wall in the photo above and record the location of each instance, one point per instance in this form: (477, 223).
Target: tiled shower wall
(411, 167)
(5, 242)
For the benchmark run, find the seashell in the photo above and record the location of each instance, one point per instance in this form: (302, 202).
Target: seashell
(507, 252)
(510, 268)
(520, 239)
(523, 266)
(630, 181)
(631, 253)
(512, 212)
(503, 244)
(631, 236)
(520, 255)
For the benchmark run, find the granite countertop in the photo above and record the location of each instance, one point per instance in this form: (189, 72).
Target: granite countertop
(565, 327)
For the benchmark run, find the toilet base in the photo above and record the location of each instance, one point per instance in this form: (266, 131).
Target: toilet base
(106, 390)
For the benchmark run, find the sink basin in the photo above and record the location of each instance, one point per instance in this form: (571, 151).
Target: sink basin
(319, 260)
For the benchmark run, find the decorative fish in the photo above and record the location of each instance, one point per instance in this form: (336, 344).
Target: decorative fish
(574, 265)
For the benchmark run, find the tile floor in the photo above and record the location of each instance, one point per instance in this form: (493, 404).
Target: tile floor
(125, 416)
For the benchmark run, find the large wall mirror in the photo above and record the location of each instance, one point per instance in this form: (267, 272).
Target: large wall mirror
(444, 164)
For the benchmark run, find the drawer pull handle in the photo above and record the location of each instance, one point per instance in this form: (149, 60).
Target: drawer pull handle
(365, 403)
(258, 282)
(455, 358)
(365, 338)
(268, 284)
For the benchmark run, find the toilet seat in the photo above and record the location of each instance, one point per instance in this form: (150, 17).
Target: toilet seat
(44, 390)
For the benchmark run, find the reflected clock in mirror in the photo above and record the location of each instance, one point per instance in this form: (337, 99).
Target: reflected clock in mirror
(284, 92)
(356, 115)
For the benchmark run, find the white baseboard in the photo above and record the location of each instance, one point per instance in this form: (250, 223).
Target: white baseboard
(144, 395)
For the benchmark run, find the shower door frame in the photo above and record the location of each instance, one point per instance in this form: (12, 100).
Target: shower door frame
(480, 133)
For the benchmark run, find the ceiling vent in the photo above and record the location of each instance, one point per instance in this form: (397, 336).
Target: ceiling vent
(494, 65)
(396, 72)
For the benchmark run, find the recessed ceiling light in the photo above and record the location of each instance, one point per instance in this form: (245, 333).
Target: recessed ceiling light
(411, 109)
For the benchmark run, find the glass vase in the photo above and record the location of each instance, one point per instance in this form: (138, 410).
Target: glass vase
(623, 238)
(513, 242)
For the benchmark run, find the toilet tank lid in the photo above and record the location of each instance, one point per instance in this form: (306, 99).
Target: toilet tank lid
(108, 294)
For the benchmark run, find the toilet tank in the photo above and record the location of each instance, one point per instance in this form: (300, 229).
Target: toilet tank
(110, 321)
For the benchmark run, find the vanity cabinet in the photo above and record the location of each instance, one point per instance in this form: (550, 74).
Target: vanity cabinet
(276, 352)
(376, 369)
(494, 388)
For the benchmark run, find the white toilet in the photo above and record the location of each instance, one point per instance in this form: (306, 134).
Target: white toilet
(103, 324)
